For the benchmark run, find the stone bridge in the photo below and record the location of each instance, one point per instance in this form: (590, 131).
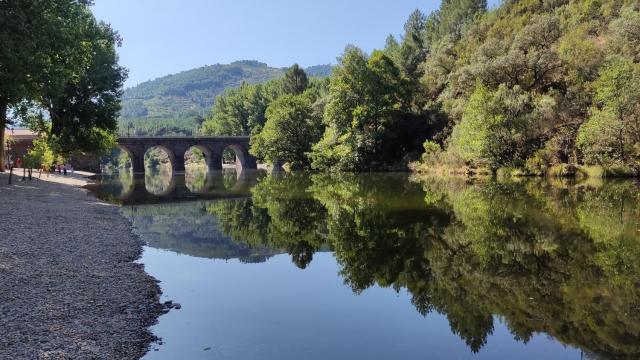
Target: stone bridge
(211, 146)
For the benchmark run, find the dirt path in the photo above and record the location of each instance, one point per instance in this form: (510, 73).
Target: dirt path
(69, 287)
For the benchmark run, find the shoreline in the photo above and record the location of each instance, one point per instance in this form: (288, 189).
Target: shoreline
(70, 284)
(561, 171)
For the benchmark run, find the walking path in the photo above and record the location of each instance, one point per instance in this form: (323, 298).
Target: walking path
(79, 178)
(69, 286)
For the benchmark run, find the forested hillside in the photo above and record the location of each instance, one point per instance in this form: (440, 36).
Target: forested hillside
(532, 87)
(542, 87)
(175, 104)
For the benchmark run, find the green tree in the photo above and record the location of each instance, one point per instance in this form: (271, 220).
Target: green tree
(84, 110)
(30, 30)
(450, 19)
(40, 156)
(290, 130)
(241, 111)
(612, 132)
(295, 80)
(53, 50)
(367, 116)
(412, 51)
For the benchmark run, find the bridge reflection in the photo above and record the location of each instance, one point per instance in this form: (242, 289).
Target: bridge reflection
(161, 187)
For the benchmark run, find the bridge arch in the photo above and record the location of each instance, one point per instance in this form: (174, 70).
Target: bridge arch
(166, 150)
(129, 154)
(206, 152)
(244, 160)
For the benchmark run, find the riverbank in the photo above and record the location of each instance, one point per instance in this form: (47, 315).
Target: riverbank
(556, 171)
(69, 284)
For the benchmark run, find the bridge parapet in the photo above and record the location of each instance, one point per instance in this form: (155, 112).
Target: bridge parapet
(176, 147)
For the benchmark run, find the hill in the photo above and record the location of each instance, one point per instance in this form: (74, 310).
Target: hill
(175, 104)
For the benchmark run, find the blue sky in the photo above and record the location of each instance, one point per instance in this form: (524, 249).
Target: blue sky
(167, 36)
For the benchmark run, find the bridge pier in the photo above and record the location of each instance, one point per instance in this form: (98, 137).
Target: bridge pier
(215, 163)
(178, 159)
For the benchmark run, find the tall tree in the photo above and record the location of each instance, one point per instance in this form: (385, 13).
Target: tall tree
(241, 111)
(295, 81)
(85, 109)
(289, 132)
(48, 48)
(22, 34)
(450, 19)
(367, 115)
(412, 50)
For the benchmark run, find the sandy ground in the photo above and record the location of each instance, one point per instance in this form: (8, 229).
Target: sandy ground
(69, 286)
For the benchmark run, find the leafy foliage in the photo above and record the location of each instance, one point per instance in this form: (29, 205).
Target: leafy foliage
(241, 111)
(367, 118)
(567, 66)
(57, 58)
(290, 130)
(295, 80)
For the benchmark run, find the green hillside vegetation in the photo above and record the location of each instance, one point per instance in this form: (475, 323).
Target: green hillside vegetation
(532, 87)
(176, 104)
(539, 88)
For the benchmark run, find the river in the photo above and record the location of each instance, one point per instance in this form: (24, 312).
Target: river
(386, 266)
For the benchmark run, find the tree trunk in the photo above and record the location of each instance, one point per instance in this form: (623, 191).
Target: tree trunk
(3, 123)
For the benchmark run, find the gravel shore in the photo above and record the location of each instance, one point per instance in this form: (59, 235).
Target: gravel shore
(69, 287)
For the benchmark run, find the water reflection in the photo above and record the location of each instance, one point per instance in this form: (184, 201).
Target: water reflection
(163, 187)
(544, 257)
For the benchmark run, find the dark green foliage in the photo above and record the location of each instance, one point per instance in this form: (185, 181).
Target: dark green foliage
(84, 113)
(412, 51)
(290, 131)
(451, 18)
(295, 81)
(368, 120)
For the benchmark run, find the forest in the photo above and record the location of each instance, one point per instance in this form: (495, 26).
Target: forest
(532, 87)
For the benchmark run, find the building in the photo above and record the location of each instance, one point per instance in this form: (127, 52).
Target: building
(19, 141)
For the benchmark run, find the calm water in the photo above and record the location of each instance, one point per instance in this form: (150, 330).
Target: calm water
(380, 266)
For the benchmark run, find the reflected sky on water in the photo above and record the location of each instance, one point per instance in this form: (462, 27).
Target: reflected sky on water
(378, 266)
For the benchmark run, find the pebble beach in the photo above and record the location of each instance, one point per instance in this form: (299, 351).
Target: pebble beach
(70, 287)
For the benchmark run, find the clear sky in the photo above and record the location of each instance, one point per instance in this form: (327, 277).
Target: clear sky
(167, 36)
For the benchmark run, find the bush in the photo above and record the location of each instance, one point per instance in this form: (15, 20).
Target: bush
(432, 152)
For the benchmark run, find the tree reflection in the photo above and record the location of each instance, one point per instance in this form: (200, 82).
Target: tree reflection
(545, 257)
(280, 215)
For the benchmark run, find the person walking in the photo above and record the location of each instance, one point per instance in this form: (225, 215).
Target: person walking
(64, 169)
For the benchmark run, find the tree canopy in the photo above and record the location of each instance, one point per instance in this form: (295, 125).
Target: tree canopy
(57, 58)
